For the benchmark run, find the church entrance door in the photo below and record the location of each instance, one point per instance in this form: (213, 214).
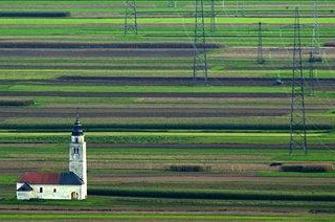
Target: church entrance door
(74, 196)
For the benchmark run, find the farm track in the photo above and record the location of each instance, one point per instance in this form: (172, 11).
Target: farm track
(70, 45)
(224, 81)
(147, 95)
(207, 146)
(203, 146)
(148, 52)
(321, 84)
(143, 112)
(142, 50)
(55, 49)
(201, 177)
(40, 210)
(153, 66)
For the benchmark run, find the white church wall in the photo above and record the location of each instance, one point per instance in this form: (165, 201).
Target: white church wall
(25, 195)
(53, 192)
(18, 185)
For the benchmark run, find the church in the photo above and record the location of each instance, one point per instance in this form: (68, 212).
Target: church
(70, 185)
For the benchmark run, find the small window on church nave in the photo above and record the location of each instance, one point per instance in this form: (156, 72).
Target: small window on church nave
(41, 189)
(55, 190)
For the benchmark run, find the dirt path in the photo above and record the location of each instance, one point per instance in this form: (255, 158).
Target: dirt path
(93, 52)
(141, 112)
(149, 95)
(82, 45)
(211, 145)
(224, 81)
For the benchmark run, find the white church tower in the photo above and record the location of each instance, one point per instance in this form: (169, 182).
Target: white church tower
(77, 154)
(70, 185)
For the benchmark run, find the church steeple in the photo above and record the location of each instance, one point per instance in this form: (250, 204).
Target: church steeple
(77, 153)
(77, 130)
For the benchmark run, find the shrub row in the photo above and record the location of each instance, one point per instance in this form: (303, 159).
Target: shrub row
(329, 44)
(207, 195)
(16, 102)
(275, 164)
(35, 14)
(188, 168)
(306, 168)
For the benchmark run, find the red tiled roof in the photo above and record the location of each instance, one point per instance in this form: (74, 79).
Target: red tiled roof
(65, 178)
(40, 178)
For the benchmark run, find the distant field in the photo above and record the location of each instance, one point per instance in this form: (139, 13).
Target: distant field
(180, 138)
(159, 217)
(145, 117)
(127, 170)
(142, 89)
(8, 21)
(112, 8)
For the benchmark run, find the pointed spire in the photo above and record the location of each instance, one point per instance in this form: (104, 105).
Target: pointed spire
(77, 117)
(77, 130)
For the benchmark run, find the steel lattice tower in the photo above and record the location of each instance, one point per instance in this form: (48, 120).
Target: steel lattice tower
(213, 16)
(130, 21)
(314, 56)
(171, 4)
(200, 52)
(298, 139)
(316, 27)
(237, 8)
(243, 8)
(260, 56)
(312, 74)
(240, 8)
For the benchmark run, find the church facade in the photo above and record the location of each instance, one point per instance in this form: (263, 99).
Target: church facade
(71, 185)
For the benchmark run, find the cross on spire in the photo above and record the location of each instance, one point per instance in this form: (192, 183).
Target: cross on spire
(77, 129)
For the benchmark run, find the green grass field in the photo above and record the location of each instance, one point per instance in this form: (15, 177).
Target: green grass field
(139, 126)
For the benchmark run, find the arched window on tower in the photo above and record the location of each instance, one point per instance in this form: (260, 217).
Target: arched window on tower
(75, 150)
(76, 140)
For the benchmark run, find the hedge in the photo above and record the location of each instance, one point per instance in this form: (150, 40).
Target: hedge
(35, 14)
(207, 195)
(306, 168)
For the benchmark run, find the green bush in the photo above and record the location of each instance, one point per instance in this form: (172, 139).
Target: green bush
(188, 168)
(275, 164)
(16, 102)
(306, 168)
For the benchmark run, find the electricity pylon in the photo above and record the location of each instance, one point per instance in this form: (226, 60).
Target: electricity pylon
(260, 56)
(316, 28)
(130, 20)
(240, 8)
(213, 16)
(200, 52)
(314, 56)
(243, 8)
(172, 4)
(298, 138)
